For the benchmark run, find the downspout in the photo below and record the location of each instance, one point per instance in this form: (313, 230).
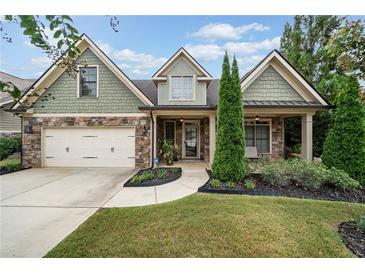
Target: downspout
(153, 139)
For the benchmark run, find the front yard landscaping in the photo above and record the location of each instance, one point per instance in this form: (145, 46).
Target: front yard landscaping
(292, 178)
(211, 225)
(10, 148)
(154, 177)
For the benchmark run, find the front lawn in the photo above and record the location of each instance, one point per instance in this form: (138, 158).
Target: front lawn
(214, 225)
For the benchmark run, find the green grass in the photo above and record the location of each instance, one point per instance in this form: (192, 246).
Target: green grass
(215, 225)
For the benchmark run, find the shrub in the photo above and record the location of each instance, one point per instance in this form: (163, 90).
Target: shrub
(9, 145)
(10, 165)
(305, 173)
(229, 164)
(215, 183)
(341, 179)
(230, 184)
(344, 147)
(250, 185)
(161, 173)
(145, 175)
(274, 174)
(361, 223)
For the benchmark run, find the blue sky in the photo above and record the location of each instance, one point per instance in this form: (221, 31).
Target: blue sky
(144, 43)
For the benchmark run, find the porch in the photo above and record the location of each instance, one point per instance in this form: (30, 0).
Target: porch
(194, 133)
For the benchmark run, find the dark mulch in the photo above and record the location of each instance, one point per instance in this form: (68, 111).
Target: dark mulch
(4, 170)
(353, 237)
(325, 192)
(173, 174)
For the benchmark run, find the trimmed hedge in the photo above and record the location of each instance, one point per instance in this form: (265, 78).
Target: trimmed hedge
(9, 145)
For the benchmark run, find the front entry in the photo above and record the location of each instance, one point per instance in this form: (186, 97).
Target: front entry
(190, 145)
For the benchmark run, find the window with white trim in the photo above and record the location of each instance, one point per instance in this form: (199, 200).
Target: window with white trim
(257, 134)
(88, 81)
(182, 88)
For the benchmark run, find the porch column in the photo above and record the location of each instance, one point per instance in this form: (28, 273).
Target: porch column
(211, 138)
(154, 138)
(307, 139)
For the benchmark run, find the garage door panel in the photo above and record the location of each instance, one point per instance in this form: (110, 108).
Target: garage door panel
(95, 147)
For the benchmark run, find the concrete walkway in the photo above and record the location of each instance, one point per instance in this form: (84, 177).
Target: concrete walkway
(192, 178)
(40, 207)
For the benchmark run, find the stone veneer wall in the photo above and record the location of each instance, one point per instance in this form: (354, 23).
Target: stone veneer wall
(32, 154)
(277, 127)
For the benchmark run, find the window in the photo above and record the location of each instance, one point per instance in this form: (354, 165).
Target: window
(170, 131)
(182, 88)
(257, 134)
(88, 81)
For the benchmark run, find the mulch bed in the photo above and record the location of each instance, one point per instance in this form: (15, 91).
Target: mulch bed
(325, 192)
(172, 176)
(353, 237)
(4, 170)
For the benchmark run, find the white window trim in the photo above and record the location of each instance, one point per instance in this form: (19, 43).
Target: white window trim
(270, 130)
(170, 87)
(197, 122)
(78, 80)
(164, 129)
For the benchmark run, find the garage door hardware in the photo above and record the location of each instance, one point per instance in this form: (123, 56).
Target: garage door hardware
(89, 136)
(112, 149)
(49, 136)
(131, 136)
(131, 157)
(67, 149)
(49, 157)
(90, 157)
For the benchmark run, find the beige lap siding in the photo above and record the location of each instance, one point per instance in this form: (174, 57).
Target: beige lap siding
(32, 154)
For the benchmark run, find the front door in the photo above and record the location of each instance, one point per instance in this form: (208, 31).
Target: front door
(191, 140)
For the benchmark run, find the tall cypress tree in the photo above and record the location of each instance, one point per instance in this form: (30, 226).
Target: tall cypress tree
(228, 164)
(344, 147)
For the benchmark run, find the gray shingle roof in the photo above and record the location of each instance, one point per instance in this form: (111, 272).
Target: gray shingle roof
(22, 84)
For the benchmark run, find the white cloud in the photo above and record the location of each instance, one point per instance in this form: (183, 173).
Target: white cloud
(138, 71)
(209, 52)
(251, 47)
(142, 59)
(135, 63)
(205, 52)
(40, 62)
(249, 60)
(215, 31)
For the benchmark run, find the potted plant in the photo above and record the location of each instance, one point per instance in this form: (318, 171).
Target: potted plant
(167, 152)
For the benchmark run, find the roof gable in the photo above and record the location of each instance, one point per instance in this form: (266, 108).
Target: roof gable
(181, 54)
(289, 73)
(271, 86)
(54, 71)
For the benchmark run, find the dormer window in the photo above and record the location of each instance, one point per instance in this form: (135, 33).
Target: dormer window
(88, 81)
(182, 88)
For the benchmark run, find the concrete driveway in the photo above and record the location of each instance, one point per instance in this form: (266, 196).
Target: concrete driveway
(40, 207)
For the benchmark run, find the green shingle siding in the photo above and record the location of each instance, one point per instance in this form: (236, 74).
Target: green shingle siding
(114, 96)
(182, 68)
(271, 86)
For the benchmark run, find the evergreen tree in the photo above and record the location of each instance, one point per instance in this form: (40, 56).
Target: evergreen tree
(344, 146)
(228, 164)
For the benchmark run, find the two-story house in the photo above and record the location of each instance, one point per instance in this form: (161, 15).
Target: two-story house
(101, 118)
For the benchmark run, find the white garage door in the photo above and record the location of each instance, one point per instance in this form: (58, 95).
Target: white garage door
(94, 147)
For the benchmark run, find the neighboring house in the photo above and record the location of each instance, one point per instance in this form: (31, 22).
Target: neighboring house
(9, 123)
(104, 119)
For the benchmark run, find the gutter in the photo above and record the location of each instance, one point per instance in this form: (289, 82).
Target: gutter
(153, 138)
